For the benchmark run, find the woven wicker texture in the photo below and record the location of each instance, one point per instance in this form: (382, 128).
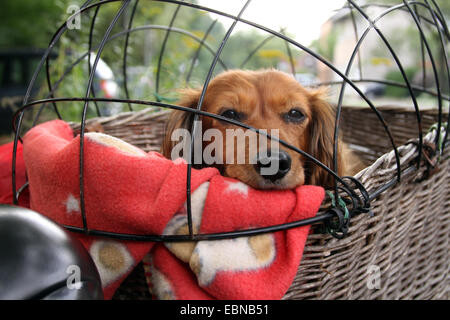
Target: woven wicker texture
(405, 243)
(402, 122)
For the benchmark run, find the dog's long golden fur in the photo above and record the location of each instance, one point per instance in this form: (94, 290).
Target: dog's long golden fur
(266, 100)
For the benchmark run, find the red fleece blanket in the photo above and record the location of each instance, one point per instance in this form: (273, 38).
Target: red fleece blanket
(130, 191)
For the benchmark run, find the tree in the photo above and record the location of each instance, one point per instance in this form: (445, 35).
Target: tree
(31, 24)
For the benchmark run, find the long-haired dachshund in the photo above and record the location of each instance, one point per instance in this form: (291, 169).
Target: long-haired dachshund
(267, 99)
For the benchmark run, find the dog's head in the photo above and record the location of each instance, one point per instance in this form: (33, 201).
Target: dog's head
(269, 100)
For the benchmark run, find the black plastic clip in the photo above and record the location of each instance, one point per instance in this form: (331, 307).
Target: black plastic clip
(338, 225)
(365, 206)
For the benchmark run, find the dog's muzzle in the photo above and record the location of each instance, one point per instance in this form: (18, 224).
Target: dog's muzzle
(273, 165)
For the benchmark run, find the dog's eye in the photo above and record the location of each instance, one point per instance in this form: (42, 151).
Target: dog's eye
(294, 115)
(231, 114)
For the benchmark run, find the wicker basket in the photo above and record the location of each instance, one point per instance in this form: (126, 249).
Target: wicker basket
(405, 242)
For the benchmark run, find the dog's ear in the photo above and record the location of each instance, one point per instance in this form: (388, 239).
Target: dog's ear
(180, 119)
(321, 144)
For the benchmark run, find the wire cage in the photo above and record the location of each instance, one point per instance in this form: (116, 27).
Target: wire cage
(398, 205)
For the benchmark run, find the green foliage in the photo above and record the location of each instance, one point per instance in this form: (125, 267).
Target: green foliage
(326, 46)
(395, 75)
(29, 24)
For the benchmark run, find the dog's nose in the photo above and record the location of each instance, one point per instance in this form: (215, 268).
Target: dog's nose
(273, 165)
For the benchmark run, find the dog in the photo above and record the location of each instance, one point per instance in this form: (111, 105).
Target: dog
(267, 99)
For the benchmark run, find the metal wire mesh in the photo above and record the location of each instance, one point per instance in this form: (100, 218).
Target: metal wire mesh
(426, 15)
